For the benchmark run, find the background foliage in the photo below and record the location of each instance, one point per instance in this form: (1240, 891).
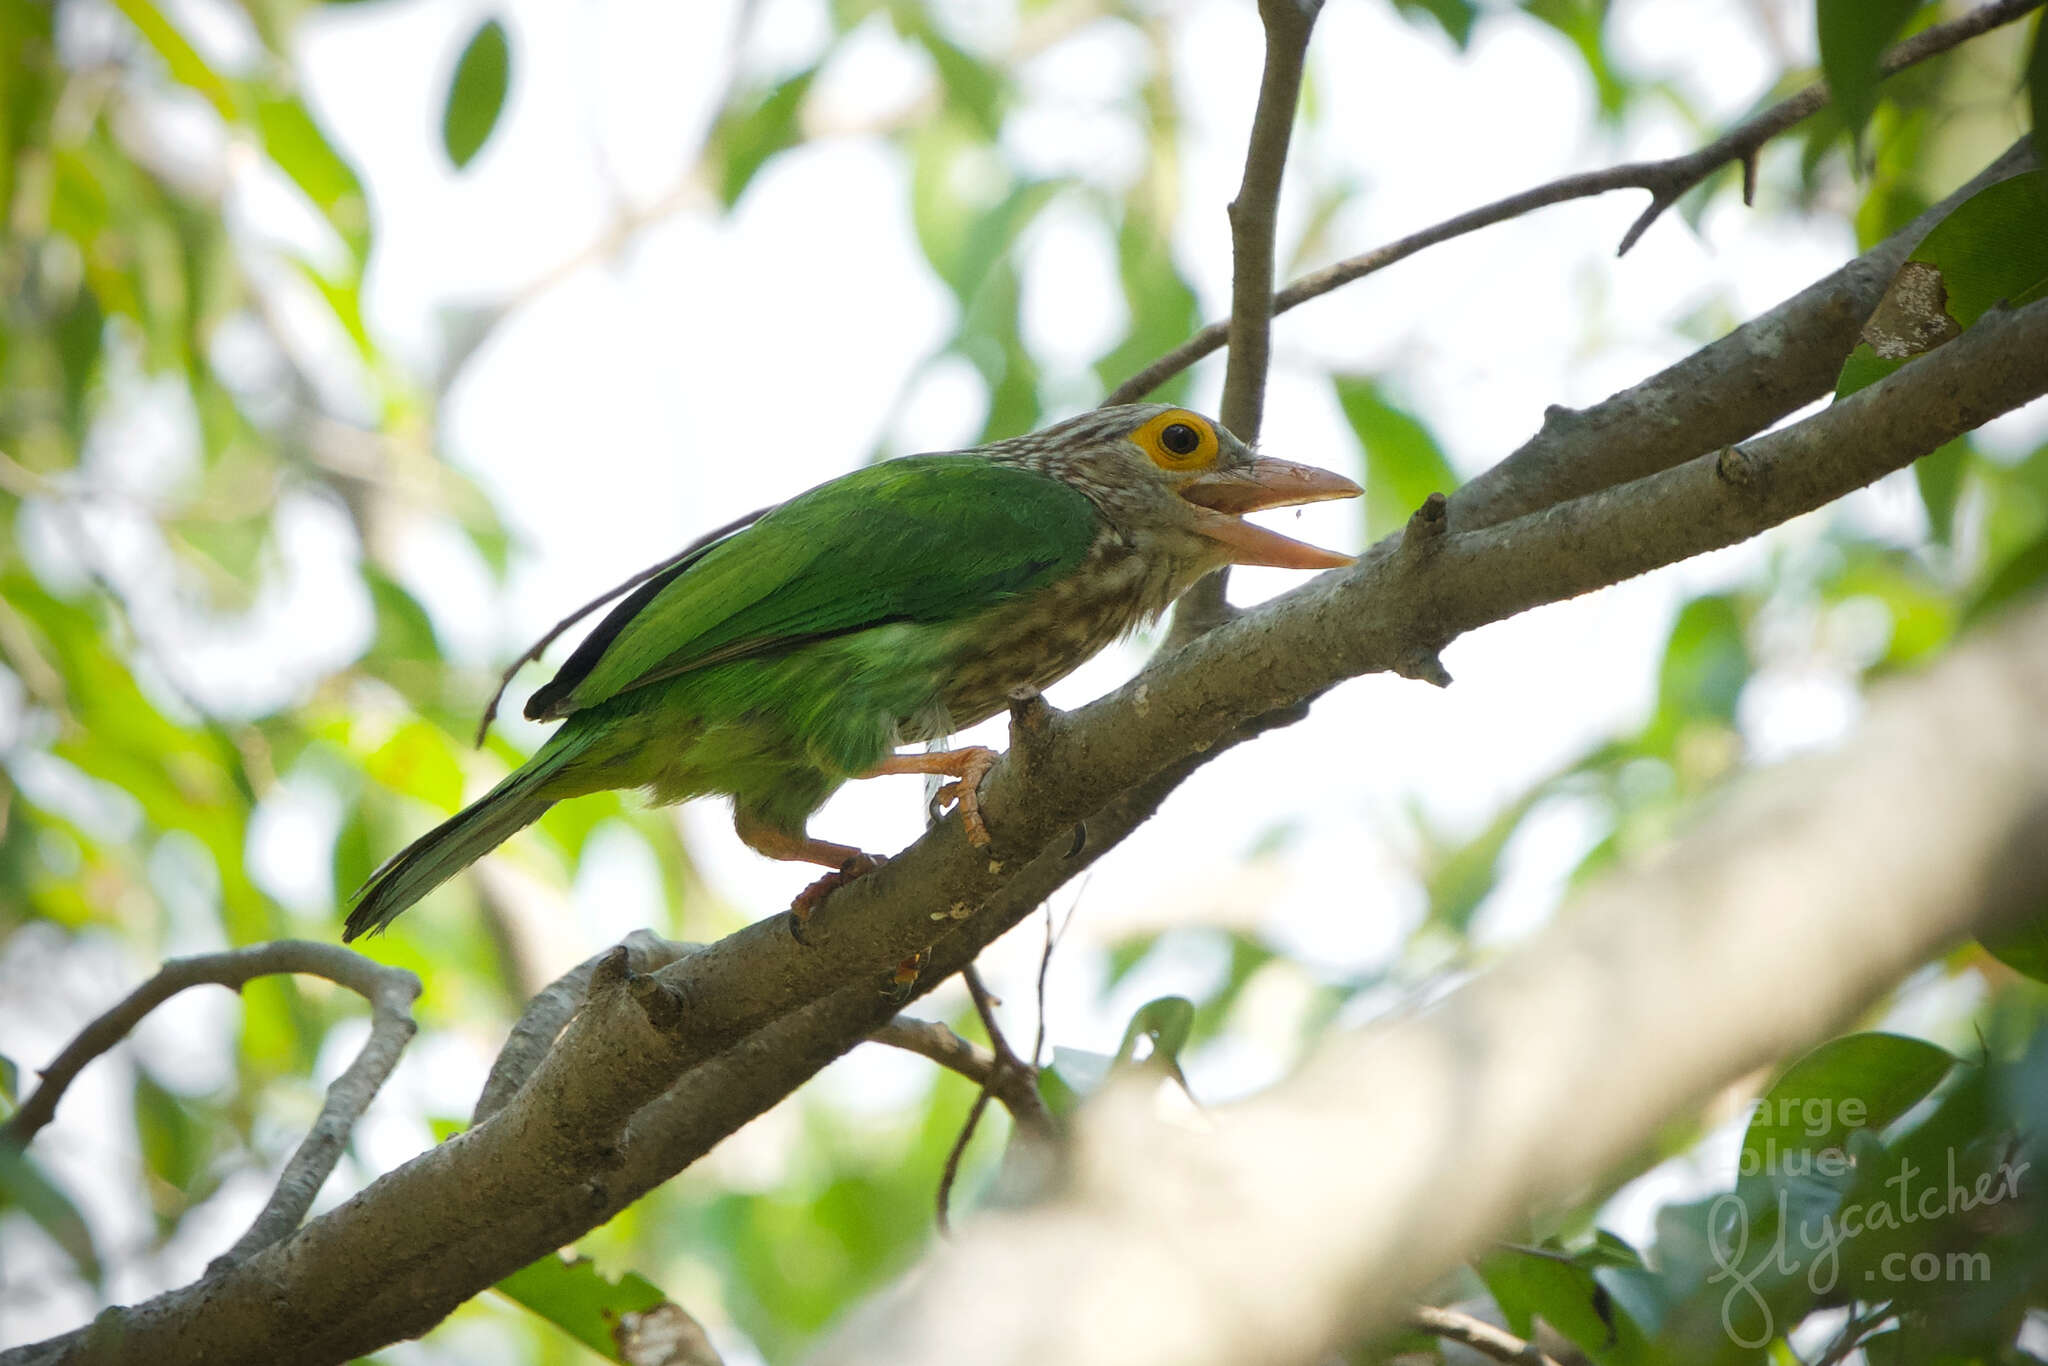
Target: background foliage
(197, 418)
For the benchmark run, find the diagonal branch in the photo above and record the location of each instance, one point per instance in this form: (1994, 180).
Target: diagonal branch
(390, 992)
(1303, 1218)
(625, 1099)
(1667, 181)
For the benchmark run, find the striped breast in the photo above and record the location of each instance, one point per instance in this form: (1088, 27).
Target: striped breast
(1034, 641)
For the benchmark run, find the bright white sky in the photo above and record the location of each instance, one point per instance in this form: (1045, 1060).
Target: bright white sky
(716, 364)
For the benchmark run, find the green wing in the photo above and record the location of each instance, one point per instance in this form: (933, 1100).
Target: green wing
(928, 538)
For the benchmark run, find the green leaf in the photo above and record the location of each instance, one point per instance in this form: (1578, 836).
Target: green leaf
(1706, 662)
(608, 1316)
(294, 141)
(2016, 577)
(1455, 17)
(1073, 1075)
(1940, 479)
(476, 95)
(1860, 1081)
(1563, 1290)
(2023, 948)
(174, 1144)
(1853, 36)
(1992, 249)
(748, 134)
(1403, 463)
(23, 1186)
(10, 1084)
(1166, 1023)
(187, 67)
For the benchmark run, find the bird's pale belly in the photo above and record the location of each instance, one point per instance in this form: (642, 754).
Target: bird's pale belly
(1030, 644)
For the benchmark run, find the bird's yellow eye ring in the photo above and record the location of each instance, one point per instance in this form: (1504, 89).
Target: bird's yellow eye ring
(1178, 440)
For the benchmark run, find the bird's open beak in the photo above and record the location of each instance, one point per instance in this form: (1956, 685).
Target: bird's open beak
(1226, 495)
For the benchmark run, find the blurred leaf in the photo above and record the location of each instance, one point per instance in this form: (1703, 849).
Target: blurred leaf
(175, 1149)
(2016, 577)
(971, 84)
(608, 1316)
(476, 93)
(1939, 476)
(1584, 22)
(1161, 304)
(746, 136)
(23, 1186)
(1853, 35)
(186, 65)
(1859, 1081)
(1403, 463)
(419, 760)
(1166, 1024)
(1073, 1075)
(1992, 249)
(295, 142)
(1455, 17)
(2023, 948)
(1554, 1285)
(10, 1084)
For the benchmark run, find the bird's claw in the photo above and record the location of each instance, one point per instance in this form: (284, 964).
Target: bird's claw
(813, 896)
(966, 792)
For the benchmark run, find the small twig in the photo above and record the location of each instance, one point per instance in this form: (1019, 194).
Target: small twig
(1845, 1343)
(1005, 1076)
(938, 1042)
(1667, 181)
(390, 992)
(944, 1198)
(985, 1004)
(1481, 1336)
(539, 647)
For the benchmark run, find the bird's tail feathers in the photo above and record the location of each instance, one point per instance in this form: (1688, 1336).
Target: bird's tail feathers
(447, 849)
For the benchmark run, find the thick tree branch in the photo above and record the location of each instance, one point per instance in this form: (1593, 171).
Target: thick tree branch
(1667, 181)
(1304, 1218)
(630, 1094)
(390, 992)
(533, 1035)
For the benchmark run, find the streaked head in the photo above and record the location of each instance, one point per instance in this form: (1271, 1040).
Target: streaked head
(1163, 470)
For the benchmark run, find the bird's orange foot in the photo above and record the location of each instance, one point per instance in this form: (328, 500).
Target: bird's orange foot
(965, 791)
(966, 767)
(811, 897)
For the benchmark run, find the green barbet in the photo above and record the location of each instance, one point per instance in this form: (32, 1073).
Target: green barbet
(893, 605)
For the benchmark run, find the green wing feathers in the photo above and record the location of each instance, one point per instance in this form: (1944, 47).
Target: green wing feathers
(922, 539)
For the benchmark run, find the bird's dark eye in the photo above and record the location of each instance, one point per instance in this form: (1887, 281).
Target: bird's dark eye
(1180, 438)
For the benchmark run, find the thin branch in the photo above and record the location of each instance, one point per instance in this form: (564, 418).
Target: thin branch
(944, 1197)
(1482, 1337)
(1667, 181)
(390, 992)
(1288, 24)
(1858, 1327)
(985, 1005)
(937, 1042)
